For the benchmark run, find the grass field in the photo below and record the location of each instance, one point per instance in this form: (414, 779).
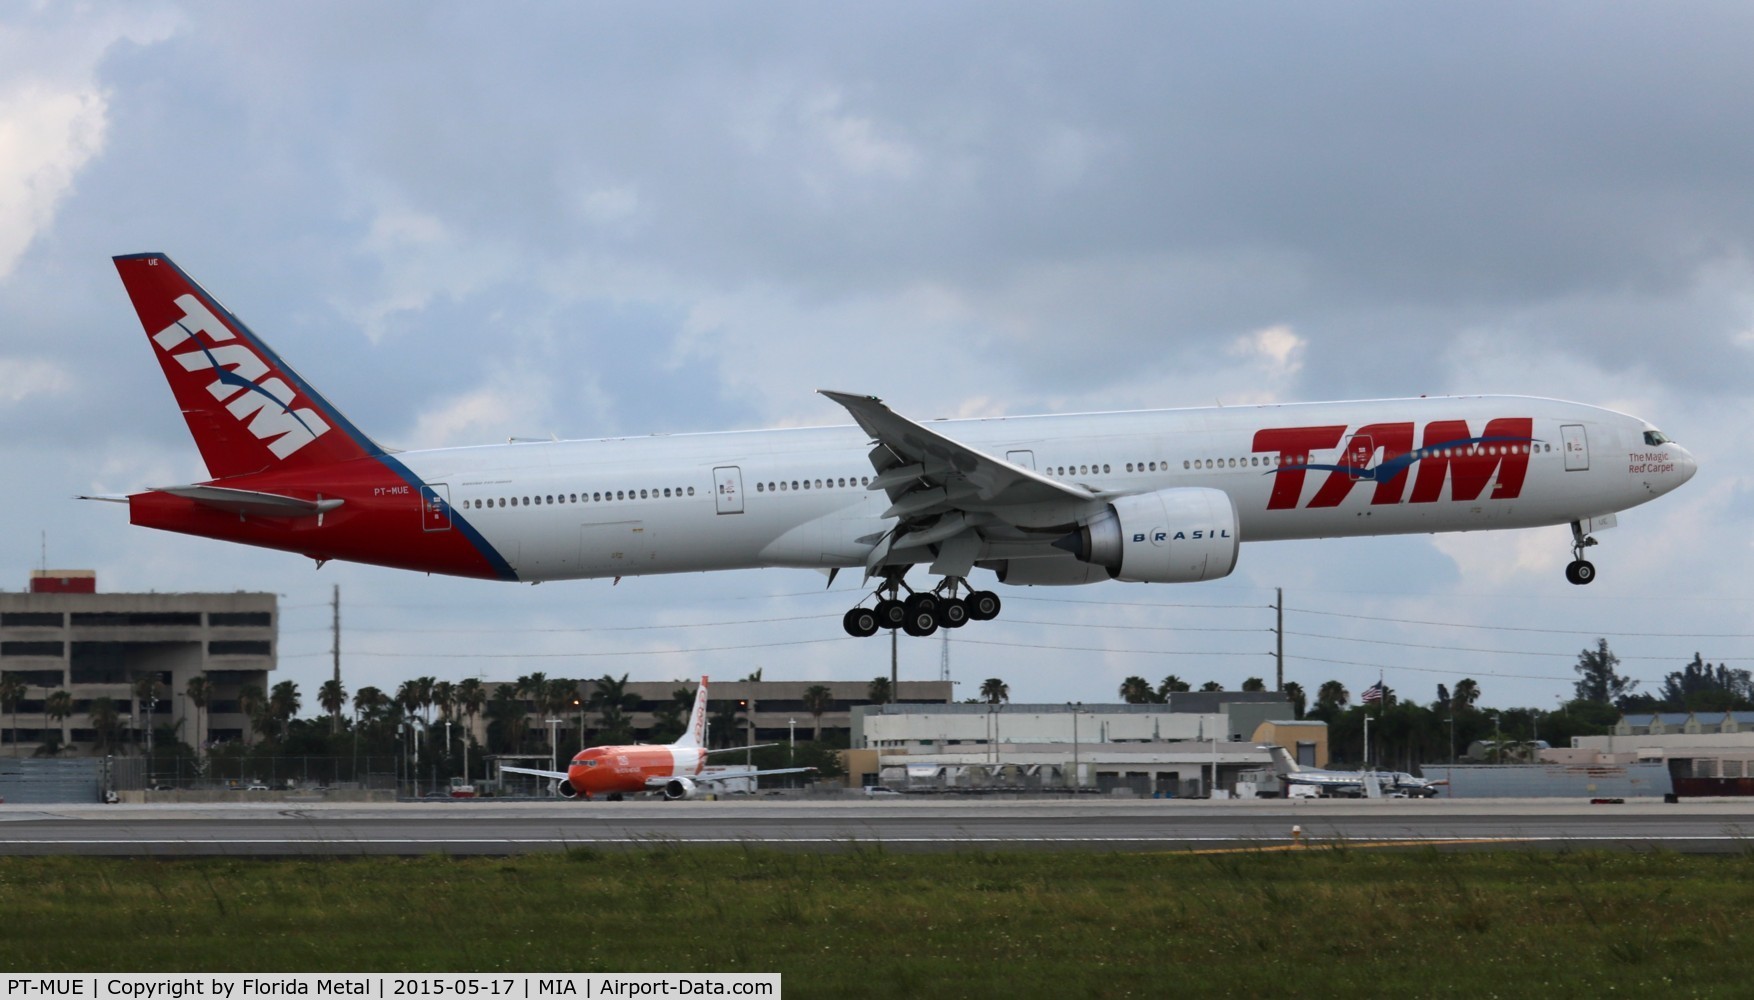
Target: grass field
(1328, 922)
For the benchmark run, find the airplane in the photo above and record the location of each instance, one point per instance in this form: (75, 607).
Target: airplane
(1350, 784)
(1152, 496)
(673, 769)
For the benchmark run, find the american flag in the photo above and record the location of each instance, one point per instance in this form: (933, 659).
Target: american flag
(1373, 693)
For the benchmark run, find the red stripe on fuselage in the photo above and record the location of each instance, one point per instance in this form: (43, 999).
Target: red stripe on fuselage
(380, 521)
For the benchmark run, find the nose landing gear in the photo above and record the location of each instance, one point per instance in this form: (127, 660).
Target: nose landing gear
(1581, 570)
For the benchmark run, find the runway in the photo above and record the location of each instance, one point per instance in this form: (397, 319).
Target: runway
(493, 827)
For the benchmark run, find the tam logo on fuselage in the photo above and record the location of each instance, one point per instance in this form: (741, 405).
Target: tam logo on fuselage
(264, 406)
(1448, 452)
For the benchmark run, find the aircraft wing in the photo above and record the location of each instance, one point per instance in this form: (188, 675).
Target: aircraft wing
(704, 779)
(943, 491)
(251, 501)
(538, 772)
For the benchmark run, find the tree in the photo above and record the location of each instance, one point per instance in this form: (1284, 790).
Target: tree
(817, 700)
(994, 690)
(1701, 686)
(1254, 684)
(1467, 692)
(1137, 690)
(1597, 680)
(667, 718)
(199, 691)
(252, 702)
(57, 706)
(1332, 696)
(333, 697)
(12, 691)
(1211, 686)
(1294, 693)
(444, 695)
(283, 704)
(1171, 685)
(879, 691)
(106, 724)
(471, 695)
(613, 703)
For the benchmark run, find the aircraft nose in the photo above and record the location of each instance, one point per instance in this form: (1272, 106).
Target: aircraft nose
(1685, 465)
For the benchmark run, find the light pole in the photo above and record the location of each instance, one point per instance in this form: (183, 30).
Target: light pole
(553, 726)
(1497, 739)
(447, 741)
(1076, 770)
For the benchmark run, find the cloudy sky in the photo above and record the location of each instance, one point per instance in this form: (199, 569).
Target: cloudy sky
(465, 223)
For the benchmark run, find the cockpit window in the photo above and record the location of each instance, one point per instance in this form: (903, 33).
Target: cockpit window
(1654, 438)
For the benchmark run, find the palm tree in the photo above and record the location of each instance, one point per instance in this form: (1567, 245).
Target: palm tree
(1332, 695)
(1294, 693)
(333, 697)
(1254, 684)
(879, 692)
(817, 700)
(1211, 686)
(1137, 690)
(199, 691)
(12, 691)
(994, 690)
(408, 696)
(612, 701)
(1467, 692)
(57, 706)
(369, 703)
(425, 685)
(471, 696)
(283, 704)
(252, 702)
(106, 724)
(444, 695)
(1172, 685)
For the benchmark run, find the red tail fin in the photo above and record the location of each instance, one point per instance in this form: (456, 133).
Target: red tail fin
(248, 410)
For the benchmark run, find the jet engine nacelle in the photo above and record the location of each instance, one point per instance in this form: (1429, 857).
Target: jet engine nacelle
(565, 790)
(680, 788)
(1181, 535)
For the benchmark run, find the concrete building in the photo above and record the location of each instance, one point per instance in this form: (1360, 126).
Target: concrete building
(63, 635)
(1188, 746)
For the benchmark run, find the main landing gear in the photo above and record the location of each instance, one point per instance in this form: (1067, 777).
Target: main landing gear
(921, 613)
(1581, 570)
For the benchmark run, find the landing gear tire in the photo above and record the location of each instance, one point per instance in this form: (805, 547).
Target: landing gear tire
(921, 622)
(952, 613)
(983, 605)
(1581, 571)
(919, 602)
(890, 613)
(860, 622)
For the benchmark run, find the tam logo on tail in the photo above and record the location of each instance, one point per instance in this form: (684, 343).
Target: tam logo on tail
(263, 405)
(248, 410)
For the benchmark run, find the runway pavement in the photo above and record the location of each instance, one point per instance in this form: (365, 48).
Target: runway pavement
(499, 827)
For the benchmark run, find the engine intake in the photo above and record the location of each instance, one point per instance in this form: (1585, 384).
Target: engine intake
(680, 788)
(1181, 535)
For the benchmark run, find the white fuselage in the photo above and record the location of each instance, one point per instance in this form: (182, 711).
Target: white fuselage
(797, 497)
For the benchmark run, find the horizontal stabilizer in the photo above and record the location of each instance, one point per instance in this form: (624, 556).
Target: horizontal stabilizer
(252, 501)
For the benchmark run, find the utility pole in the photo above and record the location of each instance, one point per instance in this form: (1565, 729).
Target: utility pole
(335, 652)
(894, 670)
(1279, 635)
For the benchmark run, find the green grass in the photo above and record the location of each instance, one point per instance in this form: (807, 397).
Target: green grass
(870, 923)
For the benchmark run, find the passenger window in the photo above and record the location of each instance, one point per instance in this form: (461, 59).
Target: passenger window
(691, 491)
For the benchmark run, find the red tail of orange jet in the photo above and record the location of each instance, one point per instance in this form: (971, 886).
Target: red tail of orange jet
(675, 769)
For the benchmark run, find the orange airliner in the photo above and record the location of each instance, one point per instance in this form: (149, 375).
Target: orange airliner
(674, 769)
